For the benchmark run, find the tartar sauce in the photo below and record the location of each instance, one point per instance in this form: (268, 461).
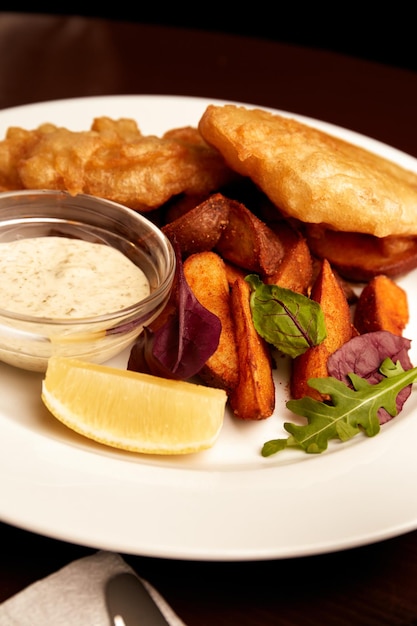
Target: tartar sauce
(59, 278)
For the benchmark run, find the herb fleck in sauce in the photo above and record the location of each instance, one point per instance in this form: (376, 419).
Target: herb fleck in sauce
(59, 277)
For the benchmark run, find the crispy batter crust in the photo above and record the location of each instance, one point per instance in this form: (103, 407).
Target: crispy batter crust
(312, 176)
(113, 160)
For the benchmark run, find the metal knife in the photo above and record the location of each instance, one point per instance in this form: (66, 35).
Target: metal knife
(130, 604)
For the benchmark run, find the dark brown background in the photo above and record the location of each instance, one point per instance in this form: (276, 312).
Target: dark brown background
(382, 33)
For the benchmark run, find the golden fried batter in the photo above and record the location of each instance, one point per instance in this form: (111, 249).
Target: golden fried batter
(312, 176)
(113, 160)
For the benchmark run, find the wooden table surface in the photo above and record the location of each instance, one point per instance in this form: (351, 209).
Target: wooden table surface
(46, 57)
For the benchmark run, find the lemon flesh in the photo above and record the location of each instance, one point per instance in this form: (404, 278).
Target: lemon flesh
(133, 411)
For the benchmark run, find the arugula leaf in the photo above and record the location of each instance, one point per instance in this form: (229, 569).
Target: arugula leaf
(288, 320)
(352, 410)
(363, 356)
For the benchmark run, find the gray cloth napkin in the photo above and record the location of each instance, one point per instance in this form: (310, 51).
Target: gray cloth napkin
(73, 596)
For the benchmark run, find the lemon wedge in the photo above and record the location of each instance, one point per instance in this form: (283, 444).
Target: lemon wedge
(133, 411)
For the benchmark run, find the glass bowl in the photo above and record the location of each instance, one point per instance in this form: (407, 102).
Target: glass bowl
(28, 339)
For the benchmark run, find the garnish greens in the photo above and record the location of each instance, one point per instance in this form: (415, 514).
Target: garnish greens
(351, 411)
(287, 320)
(181, 346)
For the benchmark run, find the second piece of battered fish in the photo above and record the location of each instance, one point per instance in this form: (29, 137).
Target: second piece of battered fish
(113, 160)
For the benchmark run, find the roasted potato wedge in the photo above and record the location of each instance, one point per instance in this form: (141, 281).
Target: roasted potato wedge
(177, 206)
(200, 228)
(382, 305)
(332, 299)
(313, 363)
(349, 291)
(295, 270)
(233, 272)
(254, 396)
(359, 257)
(205, 273)
(249, 243)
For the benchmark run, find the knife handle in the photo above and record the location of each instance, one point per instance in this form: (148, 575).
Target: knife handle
(129, 603)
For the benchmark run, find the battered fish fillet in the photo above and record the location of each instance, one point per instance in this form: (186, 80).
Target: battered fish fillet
(312, 176)
(113, 160)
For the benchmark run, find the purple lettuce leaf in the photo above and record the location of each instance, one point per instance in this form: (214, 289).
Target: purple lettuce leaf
(363, 356)
(183, 344)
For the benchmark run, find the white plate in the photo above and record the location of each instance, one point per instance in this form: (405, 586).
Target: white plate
(227, 503)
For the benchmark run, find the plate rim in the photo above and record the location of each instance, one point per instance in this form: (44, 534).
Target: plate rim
(234, 544)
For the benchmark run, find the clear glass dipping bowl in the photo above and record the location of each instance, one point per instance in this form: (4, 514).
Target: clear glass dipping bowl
(27, 342)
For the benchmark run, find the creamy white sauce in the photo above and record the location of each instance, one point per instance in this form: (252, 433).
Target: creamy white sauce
(63, 278)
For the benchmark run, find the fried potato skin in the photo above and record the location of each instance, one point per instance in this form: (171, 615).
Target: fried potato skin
(347, 287)
(248, 242)
(233, 272)
(113, 160)
(311, 364)
(200, 228)
(313, 176)
(254, 396)
(328, 292)
(382, 305)
(205, 273)
(295, 270)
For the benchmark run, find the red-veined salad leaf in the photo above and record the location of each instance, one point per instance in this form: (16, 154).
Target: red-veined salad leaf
(180, 347)
(287, 320)
(363, 355)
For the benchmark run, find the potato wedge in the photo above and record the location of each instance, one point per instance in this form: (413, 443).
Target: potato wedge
(382, 305)
(233, 272)
(349, 291)
(180, 205)
(328, 292)
(313, 363)
(296, 268)
(254, 396)
(200, 228)
(205, 273)
(249, 243)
